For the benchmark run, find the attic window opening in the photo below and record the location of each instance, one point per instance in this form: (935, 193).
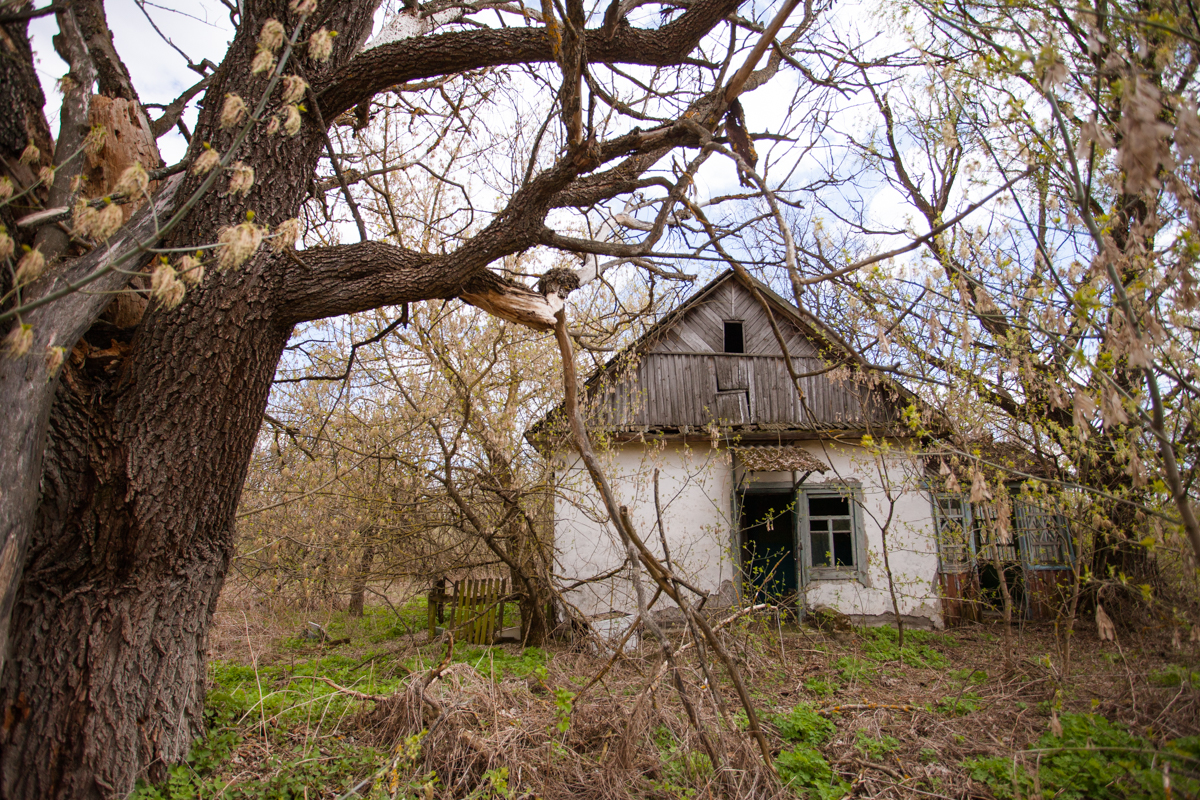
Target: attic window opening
(734, 341)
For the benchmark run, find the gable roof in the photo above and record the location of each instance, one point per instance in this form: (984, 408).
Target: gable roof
(692, 331)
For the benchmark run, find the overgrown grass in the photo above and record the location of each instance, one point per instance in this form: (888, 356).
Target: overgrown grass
(293, 694)
(289, 772)
(883, 644)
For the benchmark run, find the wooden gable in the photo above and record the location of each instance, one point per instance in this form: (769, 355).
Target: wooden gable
(700, 329)
(679, 376)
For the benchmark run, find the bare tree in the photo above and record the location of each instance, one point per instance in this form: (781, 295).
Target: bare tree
(123, 463)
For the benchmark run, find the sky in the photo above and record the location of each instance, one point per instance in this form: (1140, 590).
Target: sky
(202, 30)
(160, 74)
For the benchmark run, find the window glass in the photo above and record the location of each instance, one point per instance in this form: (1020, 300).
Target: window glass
(822, 555)
(831, 531)
(843, 549)
(829, 506)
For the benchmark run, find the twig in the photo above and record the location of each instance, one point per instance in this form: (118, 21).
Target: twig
(342, 689)
(825, 712)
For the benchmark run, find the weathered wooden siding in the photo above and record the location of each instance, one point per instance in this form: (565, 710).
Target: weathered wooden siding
(683, 377)
(669, 390)
(702, 329)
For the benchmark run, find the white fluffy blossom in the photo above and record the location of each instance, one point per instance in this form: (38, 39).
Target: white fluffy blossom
(165, 286)
(241, 178)
(238, 244)
(320, 44)
(233, 111)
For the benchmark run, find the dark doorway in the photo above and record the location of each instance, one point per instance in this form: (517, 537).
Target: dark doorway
(989, 586)
(768, 527)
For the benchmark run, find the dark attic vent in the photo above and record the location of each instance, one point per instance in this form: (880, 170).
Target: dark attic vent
(734, 342)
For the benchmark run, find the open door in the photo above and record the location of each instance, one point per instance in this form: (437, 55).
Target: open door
(768, 547)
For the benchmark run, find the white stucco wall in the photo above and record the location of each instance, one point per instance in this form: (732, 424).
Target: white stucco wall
(696, 490)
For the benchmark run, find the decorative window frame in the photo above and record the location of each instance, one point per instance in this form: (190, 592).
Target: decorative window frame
(858, 534)
(1035, 533)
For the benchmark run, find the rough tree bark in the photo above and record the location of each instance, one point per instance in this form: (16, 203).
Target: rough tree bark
(120, 480)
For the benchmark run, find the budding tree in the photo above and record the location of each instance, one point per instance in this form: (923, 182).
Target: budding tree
(128, 435)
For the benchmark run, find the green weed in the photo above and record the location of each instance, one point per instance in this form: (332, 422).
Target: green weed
(1174, 675)
(1093, 759)
(289, 776)
(852, 669)
(290, 695)
(821, 687)
(802, 725)
(680, 766)
(883, 644)
(487, 661)
(875, 748)
(957, 705)
(806, 772)
(974, 677)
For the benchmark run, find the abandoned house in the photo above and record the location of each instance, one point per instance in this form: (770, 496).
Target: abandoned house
(763, 493)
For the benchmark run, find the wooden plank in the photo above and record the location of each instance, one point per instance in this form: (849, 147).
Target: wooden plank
(658, 390)
(798, 344)
(666, 393)
(759, 338)
(477, 612)
(490, 619)
(731, 408)
(669, 342)
(708, 324)
(694, 340)
(762, 382)
(732, 373)
(708, 395)
(643, 399)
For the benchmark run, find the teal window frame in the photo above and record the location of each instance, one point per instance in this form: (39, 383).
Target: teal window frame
(858, 538)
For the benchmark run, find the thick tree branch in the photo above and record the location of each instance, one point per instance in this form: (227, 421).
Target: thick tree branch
(411, 59)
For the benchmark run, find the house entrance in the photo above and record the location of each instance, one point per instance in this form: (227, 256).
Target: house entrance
(768, 540)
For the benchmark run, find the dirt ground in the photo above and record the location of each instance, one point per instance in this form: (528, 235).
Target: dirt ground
(843, 713)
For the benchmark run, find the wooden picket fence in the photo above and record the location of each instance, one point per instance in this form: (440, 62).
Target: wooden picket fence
(473, 609)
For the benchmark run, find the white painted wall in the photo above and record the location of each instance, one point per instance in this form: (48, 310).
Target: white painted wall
(696, 490)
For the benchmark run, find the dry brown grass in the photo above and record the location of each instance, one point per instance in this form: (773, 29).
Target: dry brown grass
(629, 738)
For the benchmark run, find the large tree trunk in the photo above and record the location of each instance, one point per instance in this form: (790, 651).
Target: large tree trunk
(143, 464)
(134, 536)
(147, 449)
